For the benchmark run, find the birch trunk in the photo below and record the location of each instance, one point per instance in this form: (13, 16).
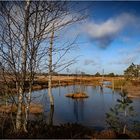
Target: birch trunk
(27, 107)
(32, 67)
(50, 70)
(19, 110)
(19, 119)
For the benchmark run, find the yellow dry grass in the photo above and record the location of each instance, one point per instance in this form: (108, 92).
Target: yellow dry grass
(77, 95)
(67, 78)
(34, 108)
(133, 91)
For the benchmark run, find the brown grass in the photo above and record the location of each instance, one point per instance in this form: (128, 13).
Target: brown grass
(105, 134)
(82, 78)
(8, 108)
(77, 95)
(133, 91)
(41, 82)
(34, 108)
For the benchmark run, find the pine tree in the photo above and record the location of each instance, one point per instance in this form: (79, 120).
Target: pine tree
(119, 116)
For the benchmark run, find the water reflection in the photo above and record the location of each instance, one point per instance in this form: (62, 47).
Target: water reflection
(51, 114)
(75, 109)
(82, 109)
(78, 109)
(59, 91)
(101, 90)
(89, 112)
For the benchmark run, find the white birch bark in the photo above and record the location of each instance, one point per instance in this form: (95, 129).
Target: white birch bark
(19, 119)
(50, 70)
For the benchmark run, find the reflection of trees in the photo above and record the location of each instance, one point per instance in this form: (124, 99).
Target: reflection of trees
(101, 89)
(83, 88)
(121, 115)
(59, 90)
(51, 114)
(94, 88)
(78, 109)
(75, 110)
(74, 88)
(82, 108)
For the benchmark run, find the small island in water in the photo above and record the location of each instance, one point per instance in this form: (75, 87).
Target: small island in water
(77, 95)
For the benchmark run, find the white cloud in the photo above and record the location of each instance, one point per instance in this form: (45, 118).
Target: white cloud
(104, 33)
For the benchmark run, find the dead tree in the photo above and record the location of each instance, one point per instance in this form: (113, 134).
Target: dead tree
(50, 68)
(59, 23)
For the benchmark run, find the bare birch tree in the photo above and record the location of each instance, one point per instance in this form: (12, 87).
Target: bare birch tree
(25, 28)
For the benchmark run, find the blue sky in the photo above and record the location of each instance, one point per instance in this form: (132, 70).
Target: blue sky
(108, 39)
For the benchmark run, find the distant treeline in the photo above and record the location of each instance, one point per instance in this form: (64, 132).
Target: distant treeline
(73, 74)
(81, 74)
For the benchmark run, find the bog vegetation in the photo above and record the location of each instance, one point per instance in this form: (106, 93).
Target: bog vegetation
(29, 32)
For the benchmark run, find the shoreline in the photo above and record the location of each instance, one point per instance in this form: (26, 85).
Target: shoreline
(41, 82)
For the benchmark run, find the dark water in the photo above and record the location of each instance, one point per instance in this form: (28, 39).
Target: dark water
(89, 112)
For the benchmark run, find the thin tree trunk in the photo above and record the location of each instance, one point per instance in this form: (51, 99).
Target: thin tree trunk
(50, 70)
(27, 107)
(124, 128)
(19, 110)
(31, 76)
(19, 121)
